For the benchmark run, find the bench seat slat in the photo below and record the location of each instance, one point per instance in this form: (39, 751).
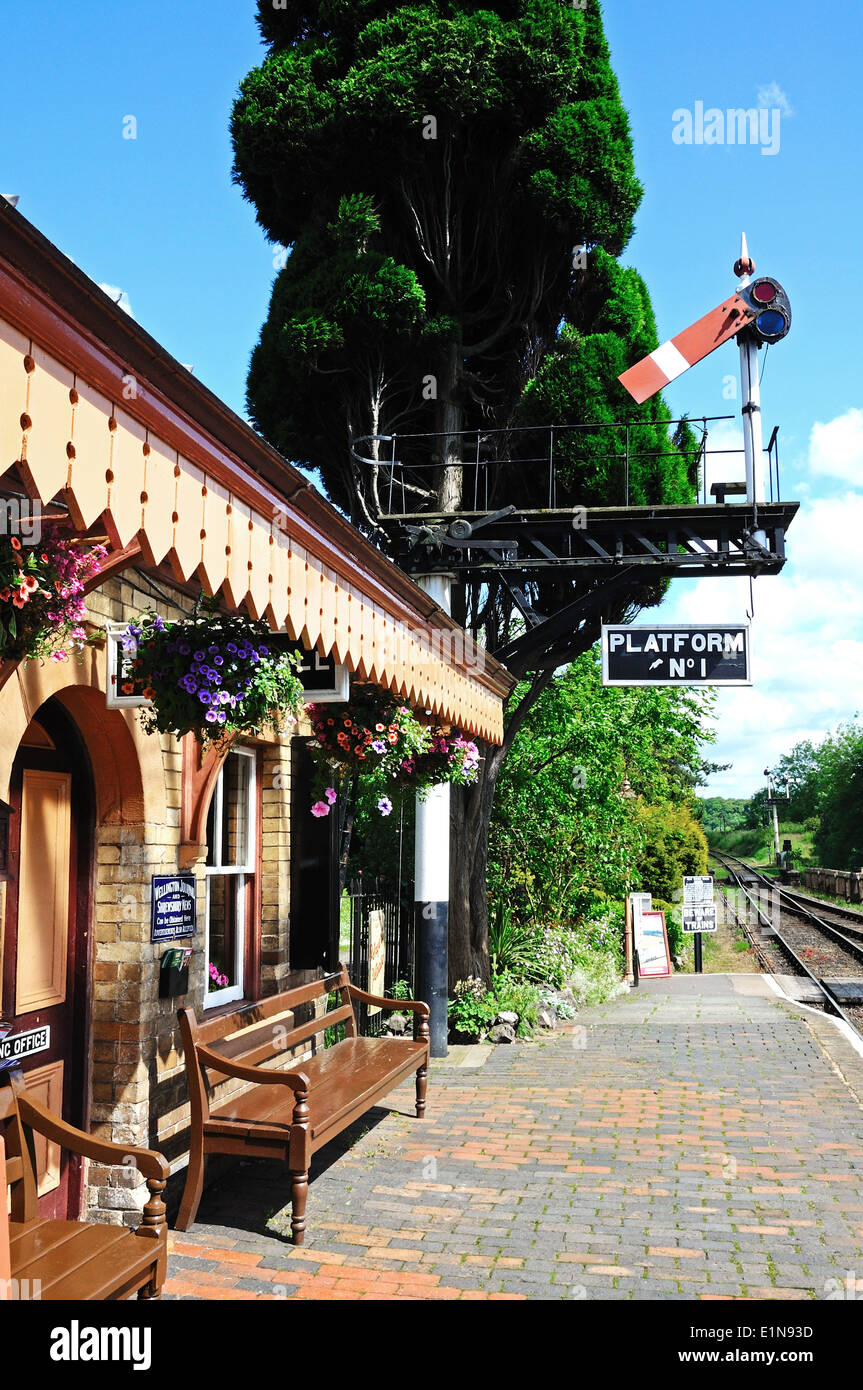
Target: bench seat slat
(86, 1263)
(341, 1077)
(62, 1252)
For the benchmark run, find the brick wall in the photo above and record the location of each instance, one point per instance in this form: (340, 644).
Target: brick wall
(139, 1093)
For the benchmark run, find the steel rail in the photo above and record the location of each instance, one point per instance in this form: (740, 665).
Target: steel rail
(831, 1003)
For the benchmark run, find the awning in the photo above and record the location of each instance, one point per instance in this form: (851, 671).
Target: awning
(91, 429)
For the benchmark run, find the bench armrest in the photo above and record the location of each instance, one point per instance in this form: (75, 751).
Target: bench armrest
(295, 1080)
(414, 1005)
(147, 1161)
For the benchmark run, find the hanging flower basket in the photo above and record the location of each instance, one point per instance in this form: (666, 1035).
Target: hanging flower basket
(375, 736)
(216, 676)
(42, 594)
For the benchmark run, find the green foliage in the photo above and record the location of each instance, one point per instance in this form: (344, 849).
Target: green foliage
(826, 785)
(214, 675)
(721, 814)
(518, 997)
(564, 840)
(337, 1031)
(409, 241)
(472, 1009)
(672, 845)
(839, 839)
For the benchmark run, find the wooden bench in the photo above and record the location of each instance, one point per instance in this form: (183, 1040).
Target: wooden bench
(290, 1114)
(75, 1259)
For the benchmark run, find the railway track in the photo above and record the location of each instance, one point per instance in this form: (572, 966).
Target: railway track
(824, 956)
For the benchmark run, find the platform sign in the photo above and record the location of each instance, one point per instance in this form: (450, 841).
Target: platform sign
(651, 943)
(699, 909)
(677, 654)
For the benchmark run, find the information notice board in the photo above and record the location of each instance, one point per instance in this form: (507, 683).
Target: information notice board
(651, 943)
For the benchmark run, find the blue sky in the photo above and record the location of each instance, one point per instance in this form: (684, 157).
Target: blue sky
(157, 217)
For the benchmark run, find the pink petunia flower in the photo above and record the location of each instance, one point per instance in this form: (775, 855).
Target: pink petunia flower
(320, 809)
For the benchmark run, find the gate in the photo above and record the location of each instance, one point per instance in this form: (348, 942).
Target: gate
(381, 946)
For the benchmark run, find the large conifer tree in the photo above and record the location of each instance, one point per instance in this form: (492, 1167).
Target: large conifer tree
(434, 169)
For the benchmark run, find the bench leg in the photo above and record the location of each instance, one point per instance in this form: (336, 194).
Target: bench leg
(151, 1291)
(299, 1192)
(192, 1191)
(422, 1082)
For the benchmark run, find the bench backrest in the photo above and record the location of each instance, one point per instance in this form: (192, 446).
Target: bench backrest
(19, 1174)
(259, 1032)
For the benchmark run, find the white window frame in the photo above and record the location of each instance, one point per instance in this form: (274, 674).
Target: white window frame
(214, 997)
(115, 633)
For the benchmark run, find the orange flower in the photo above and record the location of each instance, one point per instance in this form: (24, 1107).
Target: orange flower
(128, 688)
(149, 693)
(18, 601)
(5, 595)
(392, 738)
(379, 728)
(14, 542)
(31, 583)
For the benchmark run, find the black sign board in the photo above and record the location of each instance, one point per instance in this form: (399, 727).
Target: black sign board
(678, 654)
(324, 680)
(15, 1046)
(174, 915)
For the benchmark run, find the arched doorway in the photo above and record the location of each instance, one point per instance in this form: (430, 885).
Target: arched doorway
(46, 937)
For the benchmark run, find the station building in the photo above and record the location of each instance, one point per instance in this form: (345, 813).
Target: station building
(103, 429)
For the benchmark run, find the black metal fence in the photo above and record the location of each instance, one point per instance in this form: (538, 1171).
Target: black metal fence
(381, 949)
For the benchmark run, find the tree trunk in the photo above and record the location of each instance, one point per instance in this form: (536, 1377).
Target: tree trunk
(470, 818)
(449, 412)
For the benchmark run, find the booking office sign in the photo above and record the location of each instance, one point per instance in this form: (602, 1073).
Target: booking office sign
(675, 654)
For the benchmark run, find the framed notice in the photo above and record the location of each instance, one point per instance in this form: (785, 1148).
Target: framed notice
(651, 943)
(174, 907)
(377, 956)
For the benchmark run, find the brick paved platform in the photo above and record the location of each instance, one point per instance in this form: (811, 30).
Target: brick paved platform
(698, 1138)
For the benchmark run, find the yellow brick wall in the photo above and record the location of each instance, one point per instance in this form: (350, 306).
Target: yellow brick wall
(139, 1093)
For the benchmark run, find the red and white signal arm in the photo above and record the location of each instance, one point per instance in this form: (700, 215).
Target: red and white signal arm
(674, 357)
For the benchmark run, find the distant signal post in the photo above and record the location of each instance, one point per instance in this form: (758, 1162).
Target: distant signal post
(677, 654)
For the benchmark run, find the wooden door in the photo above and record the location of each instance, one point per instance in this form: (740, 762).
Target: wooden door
(314, 928)
(45, 946)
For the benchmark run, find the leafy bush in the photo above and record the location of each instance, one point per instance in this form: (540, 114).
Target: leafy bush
(517, 997)
(472, 1009)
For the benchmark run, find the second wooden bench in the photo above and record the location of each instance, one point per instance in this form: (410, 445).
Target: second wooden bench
(290, 1114)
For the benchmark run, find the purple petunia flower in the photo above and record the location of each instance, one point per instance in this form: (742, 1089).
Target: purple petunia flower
(378, 746)
(205, 697)
(385, 805)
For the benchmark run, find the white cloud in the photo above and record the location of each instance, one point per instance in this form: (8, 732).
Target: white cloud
(119, 297)
(836, 449)
(807, 642)
(773, 95)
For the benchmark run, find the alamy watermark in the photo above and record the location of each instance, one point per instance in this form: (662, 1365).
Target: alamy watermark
(738, 125)
(21, 518)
